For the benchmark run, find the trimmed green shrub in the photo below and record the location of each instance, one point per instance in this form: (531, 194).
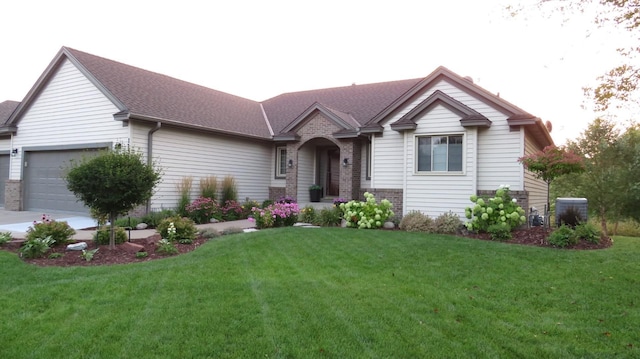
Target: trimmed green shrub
(36, 247)
(499, 209)
(153, 218)
(562, 237)
(102, 236)
(185, 229)
(447, 223)
(500, 232)
(59, 232)
(588, 232)
(416, 221)
(367, 214)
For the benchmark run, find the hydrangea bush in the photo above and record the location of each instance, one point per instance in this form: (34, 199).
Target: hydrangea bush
(366, 214)
(501, 209)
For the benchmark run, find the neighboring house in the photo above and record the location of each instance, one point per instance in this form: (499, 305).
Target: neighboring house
(425, 144)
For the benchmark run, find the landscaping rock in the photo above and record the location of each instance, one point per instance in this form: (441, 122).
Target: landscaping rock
(77, 246)
(389, 225)
(132, 247)
(142, 226)
(302, 224)
(213, 220)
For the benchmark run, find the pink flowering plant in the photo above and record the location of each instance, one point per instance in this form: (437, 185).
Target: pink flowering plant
(275, 215)
(231, 211)
(202, 210)
(59, 232)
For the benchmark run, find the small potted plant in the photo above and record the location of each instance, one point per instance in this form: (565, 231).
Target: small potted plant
(315, 193)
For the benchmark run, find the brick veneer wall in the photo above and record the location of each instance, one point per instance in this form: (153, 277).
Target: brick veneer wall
(521, 196)
(276, 192)
(393, 195)
(13, 195)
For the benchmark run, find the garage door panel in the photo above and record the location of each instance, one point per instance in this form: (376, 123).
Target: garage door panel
(45, 187)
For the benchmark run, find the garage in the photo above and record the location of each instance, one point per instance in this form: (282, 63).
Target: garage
(4, 176)
(44, 185)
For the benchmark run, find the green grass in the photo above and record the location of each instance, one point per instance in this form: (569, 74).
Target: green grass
(334, 293)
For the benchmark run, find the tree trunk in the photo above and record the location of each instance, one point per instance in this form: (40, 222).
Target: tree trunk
(112, 230)
(603, 222)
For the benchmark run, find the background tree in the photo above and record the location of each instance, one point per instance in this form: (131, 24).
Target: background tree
(113, 183)
(602, 181)
(551, 163)
(621, 83)
(629, 145)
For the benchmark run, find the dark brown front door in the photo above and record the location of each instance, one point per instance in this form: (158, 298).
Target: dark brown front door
(333, 173)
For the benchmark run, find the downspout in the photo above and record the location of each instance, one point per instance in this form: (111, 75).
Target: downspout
(150, 154)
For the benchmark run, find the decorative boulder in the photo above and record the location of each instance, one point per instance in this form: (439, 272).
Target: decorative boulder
(142, 226)
(77, 246)
(389, 225)
(132, 247)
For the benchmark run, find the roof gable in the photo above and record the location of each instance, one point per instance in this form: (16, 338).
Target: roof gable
(468, 116)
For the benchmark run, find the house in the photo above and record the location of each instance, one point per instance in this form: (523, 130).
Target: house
(425, 144)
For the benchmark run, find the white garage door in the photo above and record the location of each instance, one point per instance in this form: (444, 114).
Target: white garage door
(4, 176)
(45, 187)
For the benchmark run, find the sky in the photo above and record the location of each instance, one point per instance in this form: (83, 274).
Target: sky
(260, 49)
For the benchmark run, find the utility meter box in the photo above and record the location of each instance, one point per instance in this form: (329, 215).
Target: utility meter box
(571, 211)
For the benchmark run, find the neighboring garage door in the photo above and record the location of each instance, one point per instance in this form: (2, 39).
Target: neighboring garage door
(45, 187)
(4, 176)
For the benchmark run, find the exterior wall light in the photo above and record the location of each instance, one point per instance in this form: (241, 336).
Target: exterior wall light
(290, 163)
(345, 162)
(14, 152)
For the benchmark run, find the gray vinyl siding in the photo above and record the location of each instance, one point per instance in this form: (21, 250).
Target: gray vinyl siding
(536, 187)
(69, 110)
(179, 153)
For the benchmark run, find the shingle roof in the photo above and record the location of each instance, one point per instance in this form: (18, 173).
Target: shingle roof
(361, 102)
(6, 109)
(153, 95)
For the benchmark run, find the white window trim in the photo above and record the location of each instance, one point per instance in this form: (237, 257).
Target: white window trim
(281, 172)
(440, 173)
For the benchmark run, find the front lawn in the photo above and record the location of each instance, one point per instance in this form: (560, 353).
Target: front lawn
(331, 292)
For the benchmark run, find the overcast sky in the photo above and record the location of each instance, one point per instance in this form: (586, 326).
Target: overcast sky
(259, 49)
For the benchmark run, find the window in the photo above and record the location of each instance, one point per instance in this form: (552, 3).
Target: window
(440, 153)
(281, 162)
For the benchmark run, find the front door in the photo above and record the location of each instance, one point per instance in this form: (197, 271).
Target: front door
(333, 173)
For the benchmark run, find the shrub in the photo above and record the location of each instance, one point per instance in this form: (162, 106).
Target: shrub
(563, 236)
(184, 191)
(329, 217)
(286, 199)
(185, 229)
(5, 237)
(209, 187)
(202, 210)
(588, 232)
(499, 209)
(141, 255)
(153, 218)
(166, 247)
(307, 215)
(416, 221)
(55, 255)
(275, 215)
(367, 214)
(266, 203)
(246, 208)
(570, 217)
(447, 223)
(128, 222)
(500, 232)
(102, 236)
(229, 190)
(59, 232)
(36, 247)
(231, 211)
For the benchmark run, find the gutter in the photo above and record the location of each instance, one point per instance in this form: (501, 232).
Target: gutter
(150, 153)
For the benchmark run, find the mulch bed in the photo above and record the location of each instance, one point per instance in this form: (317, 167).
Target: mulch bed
(536, 236)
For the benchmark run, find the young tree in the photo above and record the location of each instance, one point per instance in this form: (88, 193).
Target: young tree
(629, 145)
(551, 163)
(112, 183)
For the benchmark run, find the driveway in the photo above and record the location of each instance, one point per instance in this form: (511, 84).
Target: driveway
(18, 222)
